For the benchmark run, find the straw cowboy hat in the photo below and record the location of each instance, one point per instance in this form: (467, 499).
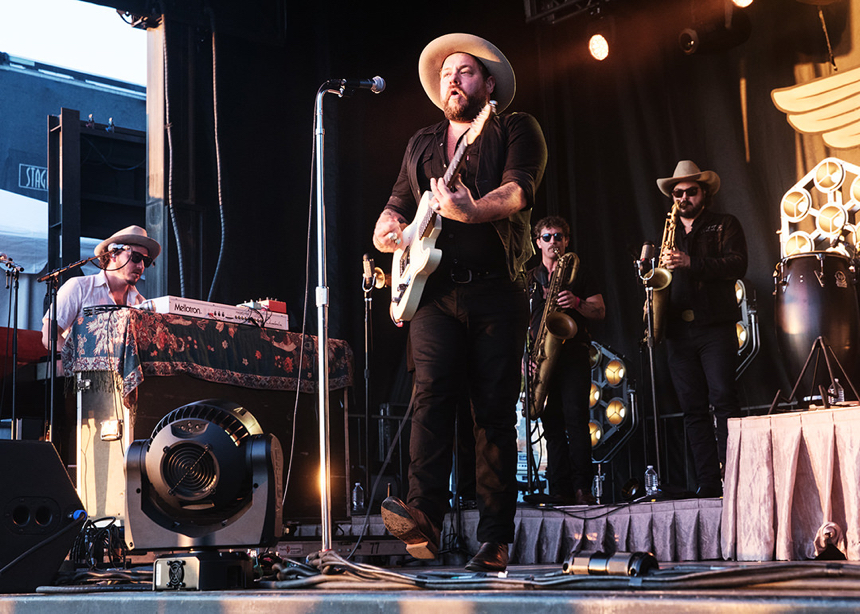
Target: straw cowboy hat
(688, 171)
(434, 54)
(133, 235)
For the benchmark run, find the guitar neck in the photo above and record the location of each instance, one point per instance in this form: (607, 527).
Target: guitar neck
(456, 164)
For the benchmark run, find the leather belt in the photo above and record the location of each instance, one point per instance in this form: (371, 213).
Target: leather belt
(461, 275)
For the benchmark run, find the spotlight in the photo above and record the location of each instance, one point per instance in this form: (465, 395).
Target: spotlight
(742, 3)
(598, 47)
(207, 477)
(722, 28)
(594, 395)
(601, 34)
(616, 411)
(596, 433)
(615, 372)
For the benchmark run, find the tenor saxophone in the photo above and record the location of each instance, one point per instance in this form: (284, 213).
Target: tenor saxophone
(660, 277)
(555, 328)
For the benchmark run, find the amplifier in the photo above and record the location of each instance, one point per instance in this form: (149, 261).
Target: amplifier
(241, 314)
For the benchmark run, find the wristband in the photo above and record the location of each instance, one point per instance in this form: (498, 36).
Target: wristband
(577, 302)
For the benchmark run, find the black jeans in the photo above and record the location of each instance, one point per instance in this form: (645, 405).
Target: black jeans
(468, 335)
(703, 360)
(565, 423)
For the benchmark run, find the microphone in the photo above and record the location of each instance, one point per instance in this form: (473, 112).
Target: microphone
(6, 259)
(367, 262)
(375, 85)
(645, 257)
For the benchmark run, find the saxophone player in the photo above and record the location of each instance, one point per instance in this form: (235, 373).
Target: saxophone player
(565, 415)
(708, 256)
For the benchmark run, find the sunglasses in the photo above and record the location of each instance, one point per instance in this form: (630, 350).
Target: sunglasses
(558, 236)
(137, 257)
(689, 192)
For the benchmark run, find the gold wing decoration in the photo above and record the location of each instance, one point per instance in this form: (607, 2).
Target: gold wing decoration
(829, 106)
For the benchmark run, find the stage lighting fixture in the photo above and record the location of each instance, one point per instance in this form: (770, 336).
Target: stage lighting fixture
(611, 405)
(594, 395)
(206, 478)
(615, 372)
(720, 26)
(616, 411)
(747, 327)
(742, 3)
(596, 433)
(618, 564)
(601, 34)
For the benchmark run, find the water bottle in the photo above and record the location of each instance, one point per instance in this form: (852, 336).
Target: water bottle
(652, 486)
(597, 486)
(357, 498)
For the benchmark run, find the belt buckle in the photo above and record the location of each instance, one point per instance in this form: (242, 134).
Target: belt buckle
(687, 315)
(455, 276)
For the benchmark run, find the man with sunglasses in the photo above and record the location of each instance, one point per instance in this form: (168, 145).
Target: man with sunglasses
(565, 417)
(122, 259)
(710, 255)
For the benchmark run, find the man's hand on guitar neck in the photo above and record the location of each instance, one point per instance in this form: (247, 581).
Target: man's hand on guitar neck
(388, 233)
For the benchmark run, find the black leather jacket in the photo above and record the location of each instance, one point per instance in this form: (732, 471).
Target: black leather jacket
(718, 257)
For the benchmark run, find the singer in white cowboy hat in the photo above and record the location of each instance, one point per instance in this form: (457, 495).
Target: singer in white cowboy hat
(708, 256)
(122, 258)
(468, 330)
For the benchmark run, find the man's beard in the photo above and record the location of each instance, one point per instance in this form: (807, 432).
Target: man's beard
(692, 211)
(464, 108)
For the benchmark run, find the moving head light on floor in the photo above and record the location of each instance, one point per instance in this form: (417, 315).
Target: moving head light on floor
(207, 478)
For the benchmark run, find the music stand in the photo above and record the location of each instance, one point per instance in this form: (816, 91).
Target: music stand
(819, 346)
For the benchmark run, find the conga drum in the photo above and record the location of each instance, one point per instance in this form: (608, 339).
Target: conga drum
(815, 296)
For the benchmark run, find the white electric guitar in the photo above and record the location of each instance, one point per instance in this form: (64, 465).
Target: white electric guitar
(418, 255)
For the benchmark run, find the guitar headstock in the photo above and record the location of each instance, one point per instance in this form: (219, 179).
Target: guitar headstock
(477, 124)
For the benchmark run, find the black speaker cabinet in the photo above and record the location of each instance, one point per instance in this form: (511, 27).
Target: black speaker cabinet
(39, 522)
(100, 463)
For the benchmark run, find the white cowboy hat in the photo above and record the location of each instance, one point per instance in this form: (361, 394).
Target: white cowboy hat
(133, 235)
(434, 54)
(688, 171)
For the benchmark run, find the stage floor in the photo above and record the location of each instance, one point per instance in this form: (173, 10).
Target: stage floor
(384, 580)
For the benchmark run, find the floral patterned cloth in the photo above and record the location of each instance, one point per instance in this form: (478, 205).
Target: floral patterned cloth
(135, 344)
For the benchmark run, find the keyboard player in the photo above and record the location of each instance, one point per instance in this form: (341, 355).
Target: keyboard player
(122, 259)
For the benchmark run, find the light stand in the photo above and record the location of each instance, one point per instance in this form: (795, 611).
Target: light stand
(12, 271)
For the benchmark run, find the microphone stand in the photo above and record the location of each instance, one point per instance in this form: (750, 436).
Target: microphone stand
(367, 287)
(13, 270)
(649, 301)
(322, 302)
(52, 279)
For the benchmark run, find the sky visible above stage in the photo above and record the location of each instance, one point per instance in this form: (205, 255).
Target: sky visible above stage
(76, 35)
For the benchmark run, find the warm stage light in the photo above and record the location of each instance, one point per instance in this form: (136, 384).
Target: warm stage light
(740, 291)
(742, 333)
(616, 411)
(742, 3)
(596, 433)
(594, 396)
(598, 47)
(615, 372)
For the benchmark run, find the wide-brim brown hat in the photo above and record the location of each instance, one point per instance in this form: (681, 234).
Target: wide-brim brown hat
(133, 235)
(688, 171)
(434, 54)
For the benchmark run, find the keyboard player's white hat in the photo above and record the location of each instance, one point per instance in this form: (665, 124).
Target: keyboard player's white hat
(133, 235)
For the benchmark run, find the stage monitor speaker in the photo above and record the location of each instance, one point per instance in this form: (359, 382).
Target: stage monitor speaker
(41, 515)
